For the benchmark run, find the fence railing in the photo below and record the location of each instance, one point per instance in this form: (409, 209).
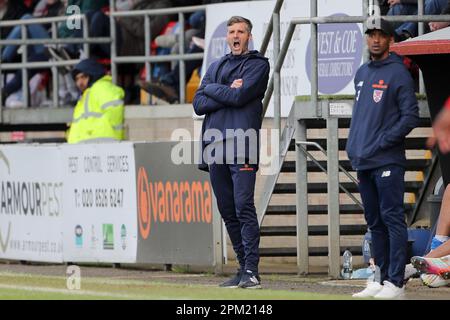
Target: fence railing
(24, 42)
(147, 58)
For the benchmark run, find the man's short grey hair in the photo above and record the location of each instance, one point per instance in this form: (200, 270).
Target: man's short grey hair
(239, 19)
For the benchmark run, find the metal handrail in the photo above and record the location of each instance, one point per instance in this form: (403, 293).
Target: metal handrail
(157, 12)
(334, 19)
(426, 183)
(301, 144)
(44, 41)
(86, 40)
(24, 65)
(161, 58)
(38, 65)
(46, 20)
(269, 31)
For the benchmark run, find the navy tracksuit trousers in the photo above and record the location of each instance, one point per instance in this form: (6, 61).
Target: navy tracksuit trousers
(382, 192)
(234, 188)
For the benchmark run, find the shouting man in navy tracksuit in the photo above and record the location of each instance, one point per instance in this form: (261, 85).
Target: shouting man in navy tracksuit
(230, 96)
(384, 112)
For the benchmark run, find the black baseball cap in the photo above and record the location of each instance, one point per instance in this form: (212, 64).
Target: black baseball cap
(378, 23)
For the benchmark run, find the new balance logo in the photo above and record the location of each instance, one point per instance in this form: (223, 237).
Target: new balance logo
(385, 174)
(254, 280)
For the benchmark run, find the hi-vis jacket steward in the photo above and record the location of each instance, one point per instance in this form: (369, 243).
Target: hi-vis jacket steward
(99, 114)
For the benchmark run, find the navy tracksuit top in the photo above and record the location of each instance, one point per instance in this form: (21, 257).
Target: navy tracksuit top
(384, 112)
(230, 108)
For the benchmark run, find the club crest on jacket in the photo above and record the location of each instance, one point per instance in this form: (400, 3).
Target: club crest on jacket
(377, 95)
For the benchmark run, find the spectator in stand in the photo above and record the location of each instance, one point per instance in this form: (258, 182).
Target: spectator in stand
(99, 114)
(10, 10)
(46, 8)
(169, 83)
(132, 31)
(443, 24)
(131, 39)
(409, 29)
(401, 8)
(384, 7)
(31, 4)
(168, 86)
(87, 7)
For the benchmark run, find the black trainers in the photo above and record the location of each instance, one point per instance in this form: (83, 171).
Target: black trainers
(233, 282)
(250, 280)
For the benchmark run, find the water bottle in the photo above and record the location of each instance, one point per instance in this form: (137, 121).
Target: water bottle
(347, 266)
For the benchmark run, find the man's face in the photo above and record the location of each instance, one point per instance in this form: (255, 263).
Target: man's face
(238, 38)
(82, 80)
(378, 43)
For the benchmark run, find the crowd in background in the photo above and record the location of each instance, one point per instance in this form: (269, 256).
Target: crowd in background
(130, 41)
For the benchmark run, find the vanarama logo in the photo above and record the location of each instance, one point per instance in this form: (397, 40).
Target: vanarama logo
(171, 202)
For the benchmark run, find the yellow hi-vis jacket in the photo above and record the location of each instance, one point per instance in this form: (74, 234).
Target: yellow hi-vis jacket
(99, 114)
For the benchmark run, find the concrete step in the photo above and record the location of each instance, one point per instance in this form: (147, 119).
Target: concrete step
(322, 209)
(313, 251)
(321, 187)
(345, 123)
(345, 230)
(413, 143)
(411, 165)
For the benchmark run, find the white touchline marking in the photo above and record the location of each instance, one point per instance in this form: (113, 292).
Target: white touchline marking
(71, 292)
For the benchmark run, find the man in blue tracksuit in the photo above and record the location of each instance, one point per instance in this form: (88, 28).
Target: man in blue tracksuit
(231, 96)
(384, 112)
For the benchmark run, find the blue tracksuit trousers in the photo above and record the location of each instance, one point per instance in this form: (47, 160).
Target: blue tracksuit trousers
(234, 188)
(382, 192)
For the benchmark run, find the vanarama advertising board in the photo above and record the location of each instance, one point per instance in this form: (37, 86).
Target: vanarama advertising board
(175, 209)
(106, 202)
(31, 192)
(100, 206)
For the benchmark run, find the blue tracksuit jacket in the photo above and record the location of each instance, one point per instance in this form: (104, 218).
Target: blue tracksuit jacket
(231, 108)
(384, 112)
